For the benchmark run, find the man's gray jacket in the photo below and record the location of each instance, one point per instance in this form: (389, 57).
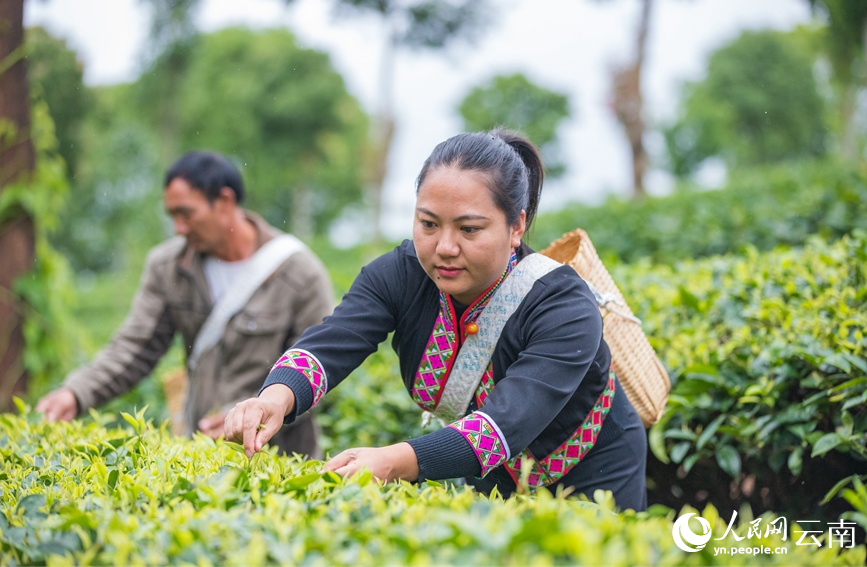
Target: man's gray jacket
(173, 296)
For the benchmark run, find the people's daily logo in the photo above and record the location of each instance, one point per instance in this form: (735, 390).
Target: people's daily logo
(685, 538)
(839, 534)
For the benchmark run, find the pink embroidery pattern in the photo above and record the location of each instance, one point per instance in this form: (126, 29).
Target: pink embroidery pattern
(486, 385)
(306, 364)
(434, 363)
(484, 439)
(553, 467)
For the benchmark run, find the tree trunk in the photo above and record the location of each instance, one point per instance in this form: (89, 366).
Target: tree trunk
(17, 161)
(849, 136)
(628, 103)
(850, 145)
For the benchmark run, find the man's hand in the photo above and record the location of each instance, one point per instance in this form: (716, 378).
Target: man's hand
(58, 405)
(253, 422)
(212, 425)
(395, 462)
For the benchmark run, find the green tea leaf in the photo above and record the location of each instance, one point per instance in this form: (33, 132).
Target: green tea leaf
(709, 431)
(826, 443)
(729, 460)
(31, 506)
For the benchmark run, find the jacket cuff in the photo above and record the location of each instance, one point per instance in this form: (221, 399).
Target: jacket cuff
(296, 382)
(84, 396)
(444, 454)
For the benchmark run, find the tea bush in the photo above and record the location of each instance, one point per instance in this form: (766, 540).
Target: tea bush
(768, 358)
(82, 493)
(761, 208)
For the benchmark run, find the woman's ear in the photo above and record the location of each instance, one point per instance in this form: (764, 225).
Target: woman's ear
(518, 229)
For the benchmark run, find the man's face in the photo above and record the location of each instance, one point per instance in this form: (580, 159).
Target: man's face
(203, 224)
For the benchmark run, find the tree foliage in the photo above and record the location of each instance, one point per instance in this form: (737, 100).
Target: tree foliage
(762, 207)
(116, 208)
(513, 101)
(845, 37)
(759, 103)
(845, 46)
(109, 158)
(44, 294)
(423, 23)
(414, 24)
(55, 74)
(282, 112)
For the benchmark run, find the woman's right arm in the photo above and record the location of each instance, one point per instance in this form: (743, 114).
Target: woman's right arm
(325, 354)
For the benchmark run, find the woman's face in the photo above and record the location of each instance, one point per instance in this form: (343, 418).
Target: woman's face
(462, 239)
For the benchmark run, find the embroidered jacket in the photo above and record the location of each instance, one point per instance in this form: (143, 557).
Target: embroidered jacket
(548, 371)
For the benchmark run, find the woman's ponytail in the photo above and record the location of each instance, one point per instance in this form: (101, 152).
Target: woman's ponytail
(532, 161)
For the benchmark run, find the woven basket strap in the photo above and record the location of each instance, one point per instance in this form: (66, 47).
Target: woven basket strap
(476, 352)
(604, 300)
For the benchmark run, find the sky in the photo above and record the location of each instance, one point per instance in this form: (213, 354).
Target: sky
(570, 46)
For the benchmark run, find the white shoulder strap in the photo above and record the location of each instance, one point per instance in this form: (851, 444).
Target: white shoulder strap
(262, 264)
(476, 352)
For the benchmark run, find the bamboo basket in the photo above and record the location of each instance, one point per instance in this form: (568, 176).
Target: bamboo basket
(642, 375)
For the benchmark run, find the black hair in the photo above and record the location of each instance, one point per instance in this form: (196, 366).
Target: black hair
(510, 163)
(207, 172)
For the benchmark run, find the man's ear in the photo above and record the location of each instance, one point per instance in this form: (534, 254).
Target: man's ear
(227, 196)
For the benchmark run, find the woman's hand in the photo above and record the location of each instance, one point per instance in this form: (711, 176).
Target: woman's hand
(395, 462)
(253, 422)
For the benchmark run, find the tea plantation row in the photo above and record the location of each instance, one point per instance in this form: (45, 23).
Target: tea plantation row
(762, 208)
(87, 494)
(768, 358)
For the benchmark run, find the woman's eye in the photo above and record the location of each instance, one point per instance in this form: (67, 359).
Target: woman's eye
(426, 223)
(470, 229)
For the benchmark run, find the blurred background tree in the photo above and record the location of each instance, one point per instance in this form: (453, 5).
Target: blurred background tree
(282, 113)
(284, 116)
(415, 25)
(106, 154)
(513, 101)
(17, 162)
(758, 104)
(845, 47)
(172, 36)
(627, 100)
(55, 74)
(109, 155)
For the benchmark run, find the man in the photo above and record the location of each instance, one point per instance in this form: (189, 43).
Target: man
(197, 284)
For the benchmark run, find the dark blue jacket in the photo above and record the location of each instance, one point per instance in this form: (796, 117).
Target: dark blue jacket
(550, 365)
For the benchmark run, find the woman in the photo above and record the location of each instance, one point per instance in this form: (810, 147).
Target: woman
(544, 399)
